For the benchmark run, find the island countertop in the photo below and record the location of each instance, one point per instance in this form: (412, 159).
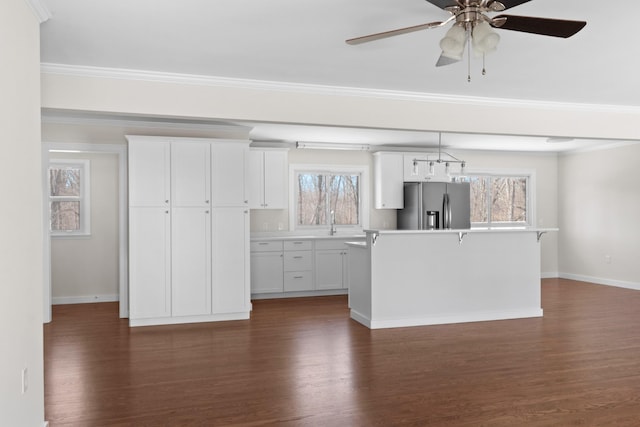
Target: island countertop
(423, 277)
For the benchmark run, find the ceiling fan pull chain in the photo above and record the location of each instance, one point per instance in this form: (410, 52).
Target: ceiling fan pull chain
(484, 71)
(468, 54)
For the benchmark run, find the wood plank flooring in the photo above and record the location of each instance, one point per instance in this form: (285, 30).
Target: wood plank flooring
(303, 362)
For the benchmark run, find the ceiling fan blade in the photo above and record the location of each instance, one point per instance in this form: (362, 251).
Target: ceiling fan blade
(385, 34)
(443, 4)
(544, 26)
(508, 4)
(445, 60)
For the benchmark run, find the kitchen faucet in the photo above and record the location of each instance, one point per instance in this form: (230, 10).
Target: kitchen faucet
(332, 230)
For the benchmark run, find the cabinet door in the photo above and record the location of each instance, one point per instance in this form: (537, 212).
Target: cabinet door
(149, 263)
(266, 272)
(388, 180)
(190, 174)
(191, 261)
(255, 179)
(275, 180)
(228, 174)
(230, 286)
(329, 269)
(149, 175)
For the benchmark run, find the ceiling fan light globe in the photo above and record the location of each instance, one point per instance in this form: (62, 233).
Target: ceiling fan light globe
(458, 33)
(449, 44)
(486, 44)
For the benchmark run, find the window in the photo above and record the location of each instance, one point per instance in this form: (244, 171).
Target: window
(320, 195)
(501, 200)
(69, 207)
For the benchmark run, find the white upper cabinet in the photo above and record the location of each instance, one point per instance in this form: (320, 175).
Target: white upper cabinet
(268, 179)
(190, 172)
(149, 176)
(229, 172)
(388, 180)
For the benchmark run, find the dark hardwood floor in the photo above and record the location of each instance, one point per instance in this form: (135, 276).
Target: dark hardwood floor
(304, 362)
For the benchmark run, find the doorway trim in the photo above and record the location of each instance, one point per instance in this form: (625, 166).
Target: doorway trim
(123, 253)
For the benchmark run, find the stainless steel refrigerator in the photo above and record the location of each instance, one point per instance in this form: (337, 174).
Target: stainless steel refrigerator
(435, 205)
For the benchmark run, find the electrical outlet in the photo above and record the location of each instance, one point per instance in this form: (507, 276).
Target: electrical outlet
(607, 259)
(25, 380)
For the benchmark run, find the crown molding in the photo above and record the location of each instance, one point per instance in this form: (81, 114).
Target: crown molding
(79, 118)
(192, 79)
(39, 10)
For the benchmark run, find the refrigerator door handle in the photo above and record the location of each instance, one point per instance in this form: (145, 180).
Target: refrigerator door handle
(445, 211)
(448, 211)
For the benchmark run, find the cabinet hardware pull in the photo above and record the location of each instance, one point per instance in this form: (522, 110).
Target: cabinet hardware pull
(246, 201)
(206, 212)
(298, 277)
(298, 243)
(206, 201)
(297, 257)
(263, 243)
(166, 201)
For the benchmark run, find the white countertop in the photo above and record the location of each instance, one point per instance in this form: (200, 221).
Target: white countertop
(468, 230)
(286, 235)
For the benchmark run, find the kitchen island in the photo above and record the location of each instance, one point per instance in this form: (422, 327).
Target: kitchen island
(414, 277)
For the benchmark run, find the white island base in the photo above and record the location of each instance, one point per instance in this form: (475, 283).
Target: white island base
(412, 278)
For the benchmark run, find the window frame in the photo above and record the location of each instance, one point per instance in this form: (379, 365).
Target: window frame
(364, 207)
(85, 197)
(529, 174)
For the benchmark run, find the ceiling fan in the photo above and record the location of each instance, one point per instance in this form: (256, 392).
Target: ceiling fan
(470, 22)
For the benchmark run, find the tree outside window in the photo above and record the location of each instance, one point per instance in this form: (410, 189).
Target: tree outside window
(499, 200)
(320, 193)
(68, 197)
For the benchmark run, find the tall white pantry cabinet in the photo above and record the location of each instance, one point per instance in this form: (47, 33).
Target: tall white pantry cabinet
(188, 230)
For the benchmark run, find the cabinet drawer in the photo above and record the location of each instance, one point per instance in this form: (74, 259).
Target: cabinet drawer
(266, 246)
(298, 245)
(298, 281)
(297, 260)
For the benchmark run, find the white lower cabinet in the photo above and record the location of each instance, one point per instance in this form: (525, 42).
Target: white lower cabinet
(266, 272)
(190, 261)
(230, 283)
(298, 265)
(331, 264)
(310, 265)
(150, 246)
(329, 269)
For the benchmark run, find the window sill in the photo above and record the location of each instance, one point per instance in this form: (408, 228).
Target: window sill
(79, 236)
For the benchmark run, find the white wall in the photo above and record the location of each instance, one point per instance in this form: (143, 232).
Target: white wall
(600, 211)
(85, 269)
(21, 241)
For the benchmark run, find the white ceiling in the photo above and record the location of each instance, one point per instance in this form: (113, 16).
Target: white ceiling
(303, 42)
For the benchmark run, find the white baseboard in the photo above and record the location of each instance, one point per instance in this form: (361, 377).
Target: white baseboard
(84, 299)
(601, 281)
(549, 275)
